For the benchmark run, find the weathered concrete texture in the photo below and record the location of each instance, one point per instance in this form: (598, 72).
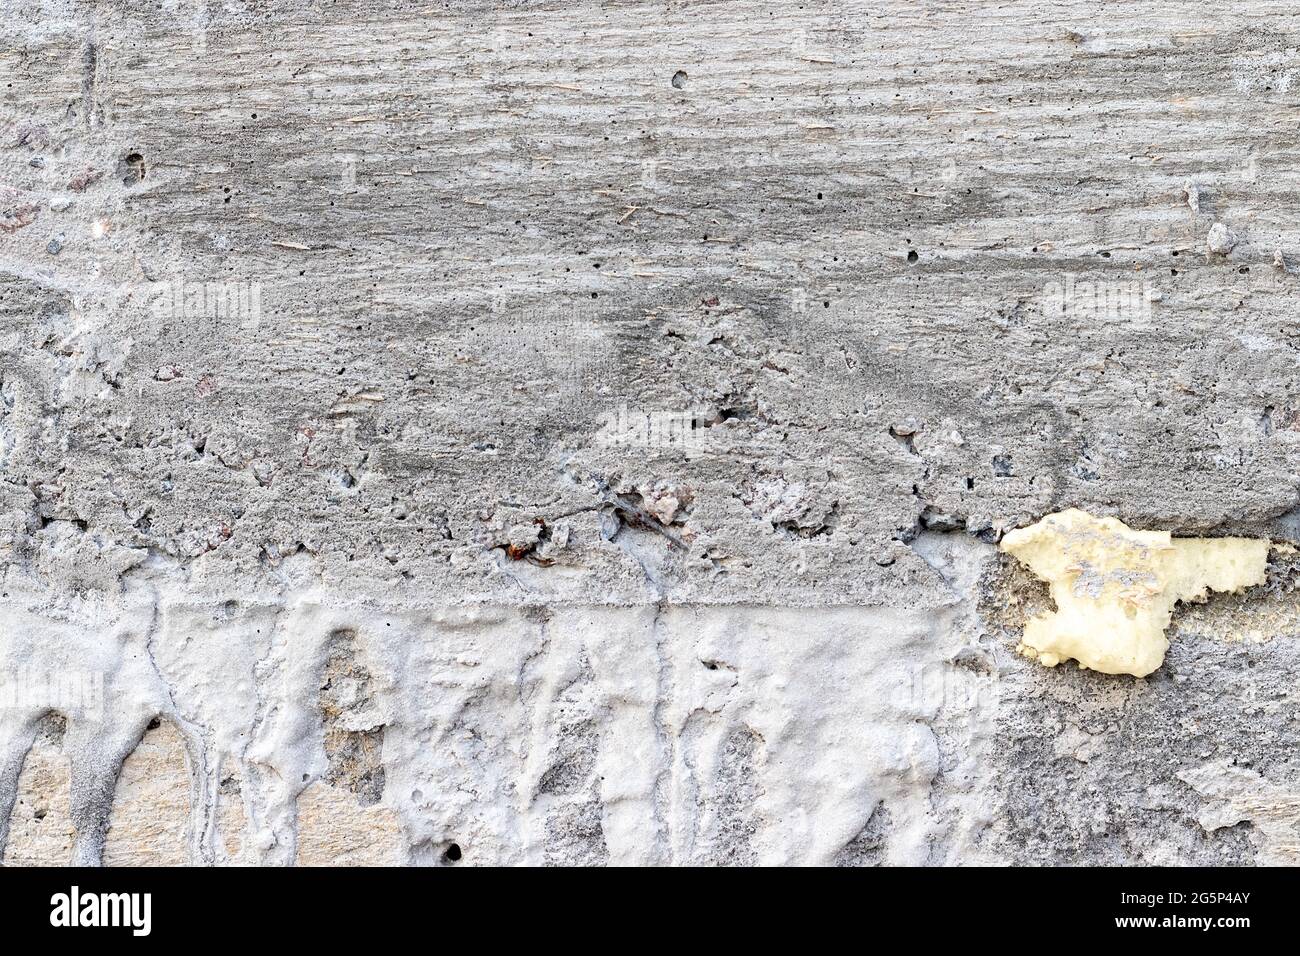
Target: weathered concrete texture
(148, 823)
(40, 823)
(580, 433)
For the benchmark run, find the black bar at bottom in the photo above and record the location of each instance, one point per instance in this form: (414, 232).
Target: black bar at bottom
(336, 907)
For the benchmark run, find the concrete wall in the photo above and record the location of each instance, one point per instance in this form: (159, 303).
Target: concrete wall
(581, 433)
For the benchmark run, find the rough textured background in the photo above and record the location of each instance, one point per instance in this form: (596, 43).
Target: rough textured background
(594, 440)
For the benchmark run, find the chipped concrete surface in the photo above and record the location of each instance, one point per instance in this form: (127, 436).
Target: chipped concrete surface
(574, 433)
(148, 822)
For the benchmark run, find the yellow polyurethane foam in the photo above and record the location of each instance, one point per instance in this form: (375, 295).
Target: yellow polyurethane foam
(1115, 588)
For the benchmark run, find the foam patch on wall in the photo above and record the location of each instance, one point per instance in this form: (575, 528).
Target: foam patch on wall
(1115, 588)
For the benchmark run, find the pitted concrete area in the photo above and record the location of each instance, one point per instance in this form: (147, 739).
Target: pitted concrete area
(582, 433)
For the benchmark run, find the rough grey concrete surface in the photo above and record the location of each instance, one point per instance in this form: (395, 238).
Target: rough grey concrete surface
(486, 433)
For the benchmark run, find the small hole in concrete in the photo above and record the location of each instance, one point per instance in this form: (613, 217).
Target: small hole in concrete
(452, 853)
(132, 169)
(912, 257)
(679, 79)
